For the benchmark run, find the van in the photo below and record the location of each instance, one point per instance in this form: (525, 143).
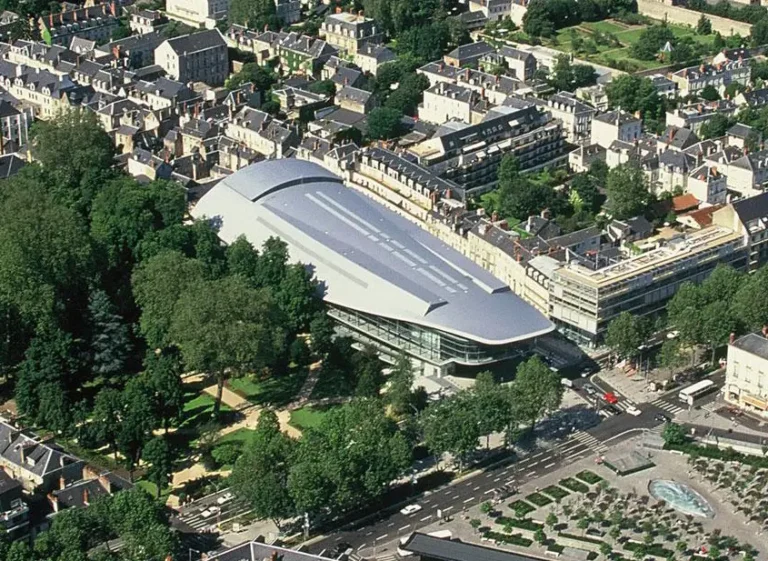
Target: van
(567, 382)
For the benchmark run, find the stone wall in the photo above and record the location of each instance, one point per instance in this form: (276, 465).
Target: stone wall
(675, 14)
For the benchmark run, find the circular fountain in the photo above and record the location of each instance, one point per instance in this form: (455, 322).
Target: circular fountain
(681, 497)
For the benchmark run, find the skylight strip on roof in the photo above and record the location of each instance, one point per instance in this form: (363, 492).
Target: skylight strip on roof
(403, 258)
(349, 213)
(337, 214)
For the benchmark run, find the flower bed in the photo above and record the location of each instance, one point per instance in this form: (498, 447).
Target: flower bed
(574, 485)
(589, 477)
(557, 493)
(538, 499)
(511, 539)
(521, 508)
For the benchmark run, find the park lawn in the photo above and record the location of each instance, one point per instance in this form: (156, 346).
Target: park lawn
(242, 437)
(307, 417)
(604, 26)
(151, 488)
(630, 36)
(276, 390)
(198, 408)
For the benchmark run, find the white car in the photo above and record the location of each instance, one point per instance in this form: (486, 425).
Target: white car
(410, 509)
(634, 411)
(210, 511)
(225, 498)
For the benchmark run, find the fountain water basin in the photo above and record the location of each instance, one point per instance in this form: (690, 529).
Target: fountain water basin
(681, 497)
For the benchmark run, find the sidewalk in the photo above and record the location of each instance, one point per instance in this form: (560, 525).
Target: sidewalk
(632, 386)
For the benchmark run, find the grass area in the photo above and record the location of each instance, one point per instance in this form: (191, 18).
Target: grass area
(557, 493)
(521, 508)
(331, 383)
(307, 417)
(574, 485)
(589, 477)
(198, 407)
(240, 436)
(605, 26)
(276, 390)
(151, 488)
(538, 499)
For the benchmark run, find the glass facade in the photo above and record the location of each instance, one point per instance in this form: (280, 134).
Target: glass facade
(426, 344)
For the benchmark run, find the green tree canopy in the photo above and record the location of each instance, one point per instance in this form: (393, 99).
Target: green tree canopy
(627, 191)
(625, 334)
(255, 14)
(536, 390)
(384, 123)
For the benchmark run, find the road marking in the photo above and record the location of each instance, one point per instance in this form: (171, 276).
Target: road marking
(531, 474)
(337, 538)
(446, 509)
(390, 524)
(577, 454)
(369, 533)
(454, 497)
(427, 501)
(549, 465)
(427, 517)
(404, 528)
(470, 499)
(534, 464)
(537, 455)
(476, 488)
(488, 491)
(382, 537)
(361, 547)
(506, 471)
(497, 479)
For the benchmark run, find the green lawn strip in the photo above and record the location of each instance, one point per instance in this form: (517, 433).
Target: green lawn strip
(277, 390)
(557, 493)
(589, 477)
(538, 499)
(307, 417)
(198, 409)
(240, 436)
(151, 488)
(604, 26)
(574, 485)
(522, 508)
(654, 549)
(510, 539)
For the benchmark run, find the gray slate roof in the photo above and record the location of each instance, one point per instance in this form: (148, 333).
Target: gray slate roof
(194, 42)
(430, 547)
(754, 344)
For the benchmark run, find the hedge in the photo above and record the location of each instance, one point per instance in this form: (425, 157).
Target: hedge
(511, 539)
(589, 477)
(580, 538)
(522, 523)
(538, 499)
(521, 508)
(574, 485)
(557, 493)
(654, 549)
(715, 453)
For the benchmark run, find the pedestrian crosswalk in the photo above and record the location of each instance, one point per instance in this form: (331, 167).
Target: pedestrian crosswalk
(669, 407)
(590, 441)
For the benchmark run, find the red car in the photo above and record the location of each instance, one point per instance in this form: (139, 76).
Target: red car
(611, 398)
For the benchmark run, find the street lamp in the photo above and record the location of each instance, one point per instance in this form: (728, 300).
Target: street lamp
(191, 549)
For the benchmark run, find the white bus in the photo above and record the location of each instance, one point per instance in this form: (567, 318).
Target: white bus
(689, 394)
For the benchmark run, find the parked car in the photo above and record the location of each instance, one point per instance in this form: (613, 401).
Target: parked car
(590, 389)
(225, 498)
(210, 511)
(634, 411)
(661, 417)
(410, 509)
(612, 409)
(610, 398)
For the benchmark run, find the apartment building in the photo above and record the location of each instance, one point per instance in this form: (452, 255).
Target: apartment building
(693, 79)
(161, 95)
(96, 23)
(371, 57)
(708, 185)
(134, 52)
(575, 115)
(748, 174)
(749, 218)
(14, 127)
(584, 300)
(146, 21)
(746, 373)
(615, 125)
(693, 116)
(350, 32)
(197, 57)
(288, 11)
(500, 9)
(496, 89)
(198, 13)
(45, 93)
(261, 133)
(446, 101)
(521, 64)
(470, 154)
(469, 54)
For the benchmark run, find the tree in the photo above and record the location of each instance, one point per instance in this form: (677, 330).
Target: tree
(704, 25)
(107, 416)
(400, 390)
(368, 367)
(606, 550)
(297, 295)
(157, 453)
(551, 520)
(348, 459)
(262, 77)
(323, 87)
(636, 93)
(490, 403)
(627, 191)
(409, 93)
(137, 420)
(540, 536)
(749, 306)
(224, 327)
(625, 334)
(543, 17)
(255, 14)
(110, 343)
(521, 198)
(709, 93)
(45, 256)
(759, 33)
(674, 434)
(260, 474)
(715, 127)
(451, 426)
(671, 355)
(384, 123)
(75, 153)
(163, 370)
(536, 390)
(651, 41)
(321, 334)
(157, 284)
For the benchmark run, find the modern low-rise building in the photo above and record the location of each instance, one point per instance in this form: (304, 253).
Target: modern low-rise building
(198, 13)
(749, 218)
(746, 373)
(197, 57)
(388, 282)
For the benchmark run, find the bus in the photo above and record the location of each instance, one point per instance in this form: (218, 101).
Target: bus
(689, 394)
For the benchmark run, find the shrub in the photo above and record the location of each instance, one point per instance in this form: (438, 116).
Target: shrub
(589, 477)
(521, 523)
(226, 454)
(538, 499)
(521, 508)
(557, 493)
(580, 538)
(574, 485)
(511, 539)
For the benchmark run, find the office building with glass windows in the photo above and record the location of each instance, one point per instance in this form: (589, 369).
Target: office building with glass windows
(387, 282)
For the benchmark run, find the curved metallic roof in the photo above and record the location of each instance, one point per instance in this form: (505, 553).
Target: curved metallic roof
(370, 258)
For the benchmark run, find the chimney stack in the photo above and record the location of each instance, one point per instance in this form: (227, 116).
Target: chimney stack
(731, 338)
